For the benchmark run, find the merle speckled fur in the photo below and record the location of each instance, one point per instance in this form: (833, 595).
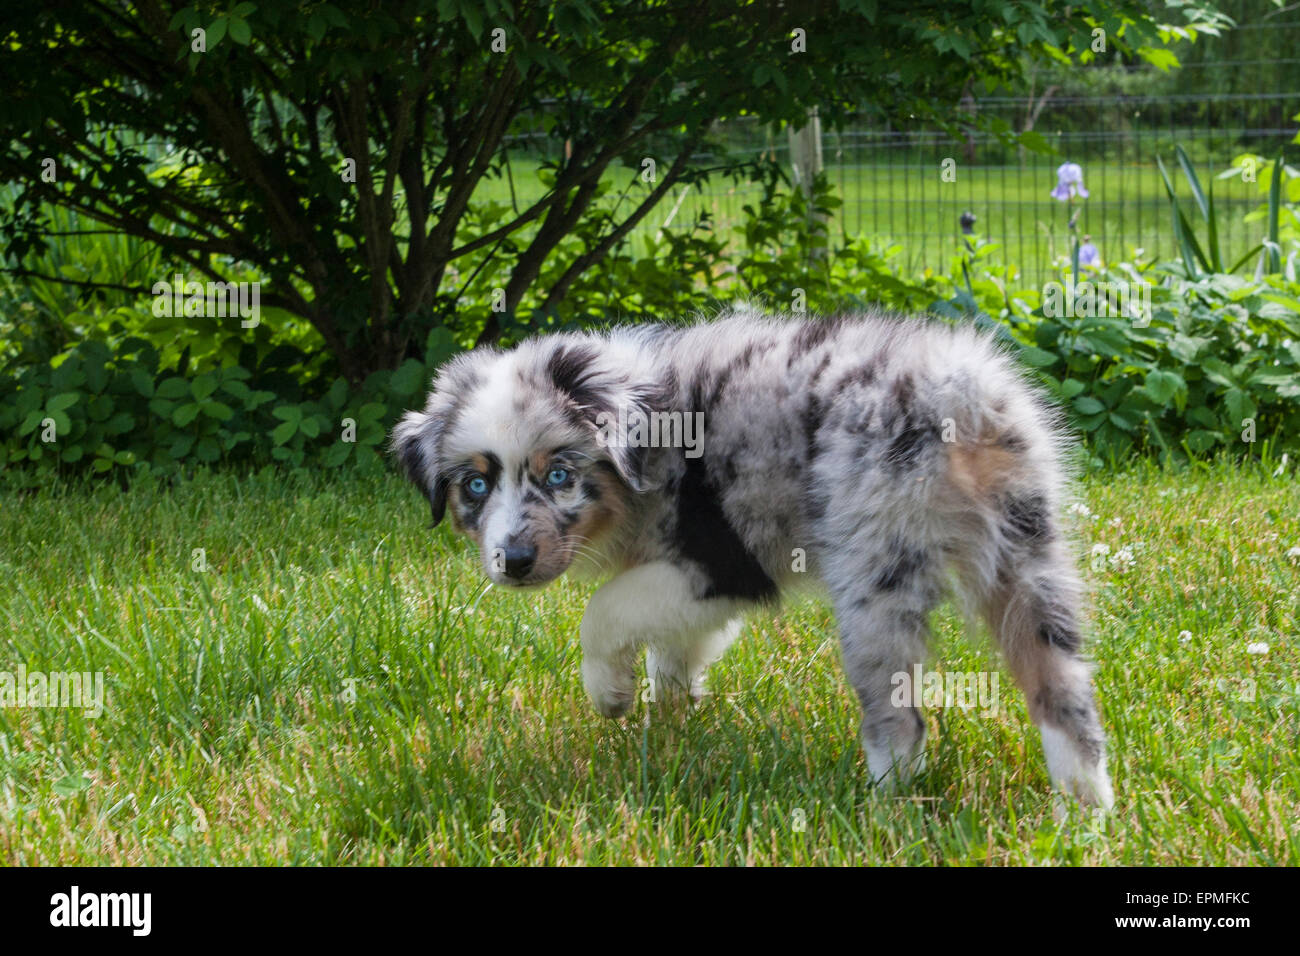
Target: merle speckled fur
(884, 456)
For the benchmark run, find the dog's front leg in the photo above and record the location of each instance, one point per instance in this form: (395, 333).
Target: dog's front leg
(655, 604)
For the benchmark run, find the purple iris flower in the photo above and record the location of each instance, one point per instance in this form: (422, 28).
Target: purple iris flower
(1069, 182)
(1089, 257)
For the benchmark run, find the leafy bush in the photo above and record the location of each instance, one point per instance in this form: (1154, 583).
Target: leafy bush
(113, 409)
(1216, 367)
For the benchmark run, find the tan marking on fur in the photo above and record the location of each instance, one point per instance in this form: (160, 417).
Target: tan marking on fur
(480, 463)
(607, 511)
(982, 470)
(454, 505)
(538, 462)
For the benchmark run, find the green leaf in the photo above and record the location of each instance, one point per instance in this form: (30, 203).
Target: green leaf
(237, 390)
(142, 382)
(239, 31)
(1190, 172)
(1087, 405)
(59, 402)
(409, 378)
(1274, 212)
(185, 414)
(215, 32)
(282, 433)
(207, 449)
(337, 454)
(203, 386)
(288, 413)
(1183, 234)
(181, 446)
(218, 410)
(473, 18)
(71, 784)
(1091, 423)
(119, 423)
(1038, 358)
(31, 421)
(439, 346)
(316, 27)
(173, 388)
(100, 408)
(1162, 386)
(1240, 406)
(96, 377)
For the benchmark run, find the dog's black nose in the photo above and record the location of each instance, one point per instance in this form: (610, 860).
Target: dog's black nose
(519, 561)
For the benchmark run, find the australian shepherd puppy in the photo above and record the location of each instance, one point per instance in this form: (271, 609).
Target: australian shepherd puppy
(702, 469)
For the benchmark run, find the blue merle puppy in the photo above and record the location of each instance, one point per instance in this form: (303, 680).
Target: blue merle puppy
(702, 469)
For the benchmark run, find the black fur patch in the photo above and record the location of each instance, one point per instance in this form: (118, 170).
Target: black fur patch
(413, 458)
(812, 423)
(815, 504)
(912, 435)
(812, 333)
(1056, 635)
(706, 537)
(904, 564)
(820, 370)
(570, 369)
(1027, 520)
(738, 364)
(860, 375)
(904, 392)
(908, 444)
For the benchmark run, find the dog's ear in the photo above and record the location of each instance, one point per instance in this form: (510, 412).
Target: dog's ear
(415, 445)
(630, 459)
(604, 397)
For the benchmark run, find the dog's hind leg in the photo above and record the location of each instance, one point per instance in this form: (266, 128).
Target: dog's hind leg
(884, 627)
(1033, 609)
(652, 604)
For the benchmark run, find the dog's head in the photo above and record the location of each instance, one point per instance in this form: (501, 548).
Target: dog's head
(516, 445)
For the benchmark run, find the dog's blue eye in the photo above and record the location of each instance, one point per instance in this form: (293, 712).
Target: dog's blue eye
(557, 476)
(477, 486)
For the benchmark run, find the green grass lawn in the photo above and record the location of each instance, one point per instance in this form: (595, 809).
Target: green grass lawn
(335, 688)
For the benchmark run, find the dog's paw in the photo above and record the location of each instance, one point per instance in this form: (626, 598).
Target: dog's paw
(1092, 789)
(1076, 774)
(612, 689)
(612, 707)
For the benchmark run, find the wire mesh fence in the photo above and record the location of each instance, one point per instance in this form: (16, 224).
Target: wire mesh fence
(913, 185)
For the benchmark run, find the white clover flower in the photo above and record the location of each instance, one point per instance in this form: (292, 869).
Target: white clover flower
(1100, 553)
(1123, 560)
(1079, 510)
(1259, 648)
(1184, 637)
(1293, 555)
(1116, 522)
